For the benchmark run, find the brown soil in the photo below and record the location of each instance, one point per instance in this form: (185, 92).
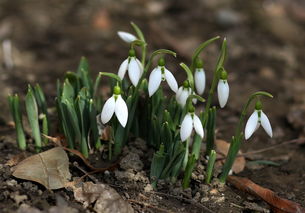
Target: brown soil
(265, 53)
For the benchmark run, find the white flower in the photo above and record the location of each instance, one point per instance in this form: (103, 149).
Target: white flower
(257, 118)
(223, 92)
(199, 78)
(127, 37)
(191, 121)
(157, 75)
(134, 67)
(182, 95)
(116, 105)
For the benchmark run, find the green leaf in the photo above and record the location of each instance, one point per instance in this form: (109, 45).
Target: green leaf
(93, 125)
(83, 65)
(210, 166)
(67, 91)
(65, 125)
(73, 80)
(157, 165)
(32, 112)
(45, 129)
(188, 171)
(14, 105)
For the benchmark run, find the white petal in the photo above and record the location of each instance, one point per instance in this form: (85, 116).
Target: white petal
(223, 92)
(121, 111)
(122, 69)
(171, 80)
(266, 124)
(154, 81)
(183, 97)
(200, 81)
(127, 37)
(178, 94)
(108, 110)
(134, 71)
(251, 125)
(186, 127)
(198, 126)
(140, 65)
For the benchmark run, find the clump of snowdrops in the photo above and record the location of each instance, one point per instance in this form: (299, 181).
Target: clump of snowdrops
(138, 107)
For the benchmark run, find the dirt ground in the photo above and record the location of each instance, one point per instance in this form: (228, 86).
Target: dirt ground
(266, 52)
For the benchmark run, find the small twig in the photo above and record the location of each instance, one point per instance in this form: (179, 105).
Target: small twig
(298, 140)
(86, 173)
(148, 205)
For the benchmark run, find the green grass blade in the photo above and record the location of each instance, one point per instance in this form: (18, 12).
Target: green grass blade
(32, 112)
(14, 105)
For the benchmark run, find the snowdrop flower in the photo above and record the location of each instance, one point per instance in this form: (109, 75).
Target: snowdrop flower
(127, 37)
(257, 118)
(191, 121)
(199, 77)
(134, 67)
(115, 105)
(159, 74)
(223, 89)
(183, 93)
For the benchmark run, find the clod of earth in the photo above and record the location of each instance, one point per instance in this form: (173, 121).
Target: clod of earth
(106, 199)
(49, 168)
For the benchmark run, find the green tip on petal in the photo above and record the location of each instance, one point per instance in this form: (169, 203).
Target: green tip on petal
(199, 63)
(223, 75)
(161, 62)
(258, 105)
(117, 90)
(132, 53)
(186, 84)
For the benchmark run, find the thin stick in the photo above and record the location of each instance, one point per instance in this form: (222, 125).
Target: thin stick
(298, 141)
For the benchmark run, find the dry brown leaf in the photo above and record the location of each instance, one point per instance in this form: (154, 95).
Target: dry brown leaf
(278, 205)
(222, 148)
(106, 199)
(49, 168)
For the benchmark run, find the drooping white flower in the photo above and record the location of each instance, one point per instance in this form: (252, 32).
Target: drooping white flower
(223, 89)
(183, 93)
(191, 121)
(127, 37)
(134, 67)
(199, 77)
(159, 74)
(115, 105)
(257, 118)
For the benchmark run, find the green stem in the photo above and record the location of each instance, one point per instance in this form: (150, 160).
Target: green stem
(217, 70)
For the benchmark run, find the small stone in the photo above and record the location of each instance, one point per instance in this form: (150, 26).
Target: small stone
(214, 192)
(148, 188)
(204, 199)
(24, 208)
(11, 182)
(19, 198)
(197, 196)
